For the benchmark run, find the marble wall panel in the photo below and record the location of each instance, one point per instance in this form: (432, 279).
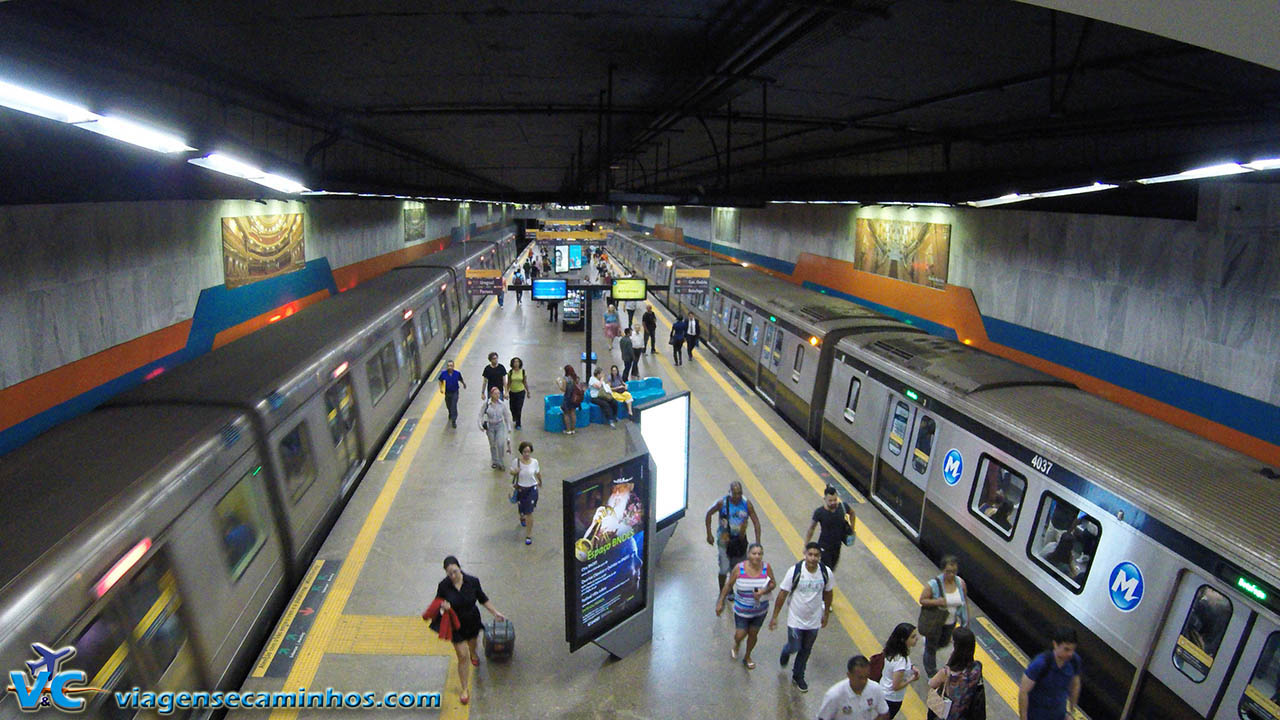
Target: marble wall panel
(14, 331)
(1247, 373)
(52, 338)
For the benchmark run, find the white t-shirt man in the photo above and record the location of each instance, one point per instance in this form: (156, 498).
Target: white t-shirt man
(841, 703)
(805, 610)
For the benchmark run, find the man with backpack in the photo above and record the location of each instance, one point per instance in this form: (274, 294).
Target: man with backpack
(734, 510)
(809, 587)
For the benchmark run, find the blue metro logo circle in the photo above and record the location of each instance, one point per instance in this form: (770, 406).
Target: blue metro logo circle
(1126, 586)
(952, 466)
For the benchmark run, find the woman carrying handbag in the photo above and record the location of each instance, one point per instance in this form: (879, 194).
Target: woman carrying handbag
(956, 692)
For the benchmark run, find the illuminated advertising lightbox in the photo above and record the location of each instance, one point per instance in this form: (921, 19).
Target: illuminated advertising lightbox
(549, 289)
(606, 551)
(665, 426)
(630, 288)
(575, 257)
(562, 258)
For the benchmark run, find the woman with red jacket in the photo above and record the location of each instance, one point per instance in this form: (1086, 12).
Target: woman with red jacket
(460, 592)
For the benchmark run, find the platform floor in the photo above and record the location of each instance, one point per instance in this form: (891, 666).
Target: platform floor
(354, 624)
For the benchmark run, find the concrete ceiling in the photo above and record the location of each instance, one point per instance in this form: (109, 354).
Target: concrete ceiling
(712, 102)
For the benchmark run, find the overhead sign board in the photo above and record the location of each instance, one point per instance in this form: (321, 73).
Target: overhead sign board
(630, 288)
(484, 281)
(550, 289)
(690, 281)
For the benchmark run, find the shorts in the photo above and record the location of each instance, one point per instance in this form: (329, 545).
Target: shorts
(746, 623)
(726, 562)
(527, 499)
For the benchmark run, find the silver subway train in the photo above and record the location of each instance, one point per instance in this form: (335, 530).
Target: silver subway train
(160, 534)
(1161, 548)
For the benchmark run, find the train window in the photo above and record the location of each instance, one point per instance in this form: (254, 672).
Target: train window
(777, 349)
(1064, 541)
(799, 359)
(1202, 633)
(746, 327)
(377, 383)
(104, 656)
(240, 524)
(340, 406)
(924, 444)
(390, 364)
(997, 495)
(299, 465)
(851, 399)
(735, 319)
(433, 320)
(898, 432)
(150, 604)
(1261, 698)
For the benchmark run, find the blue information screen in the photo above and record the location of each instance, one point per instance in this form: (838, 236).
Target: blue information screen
(575, 257)
(550, 289)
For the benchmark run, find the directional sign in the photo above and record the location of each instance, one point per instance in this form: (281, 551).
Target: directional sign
(692, 282)
(295, 626)
(484, 281)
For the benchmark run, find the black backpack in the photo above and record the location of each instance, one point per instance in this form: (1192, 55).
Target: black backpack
(795, 574)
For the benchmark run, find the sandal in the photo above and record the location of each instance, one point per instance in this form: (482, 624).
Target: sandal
(464, 698)
(733, 653)
(475, 661)
(750, 665)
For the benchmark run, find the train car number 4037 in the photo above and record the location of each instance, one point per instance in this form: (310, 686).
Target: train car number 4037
(1041, 464)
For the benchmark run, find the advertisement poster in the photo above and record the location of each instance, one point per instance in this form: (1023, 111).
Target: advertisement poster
(605, 516)
(415, 222)
(665, 426)
(575, 257)
(258, 247)
(562, 258)
(917, 252)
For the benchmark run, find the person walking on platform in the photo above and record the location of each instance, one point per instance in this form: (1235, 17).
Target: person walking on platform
(618, 386)
(898, 671)
(1051, 684)
(502, 289)
(461, 592)
(630, 307)
(495, 376)
(554, 307)
(751, 584)
(517, 389)
(959, 681)
(627, 347)
(519, 280)
(572, 394)
(837, 523)
(450, 379)
(602, 396)
(611, 327)
(691, 334)
(944, 605)
(734, 510)
(650, 322)
(526, 479)
(495, 421)
(809, 586)
(855, 698)
(677, 339)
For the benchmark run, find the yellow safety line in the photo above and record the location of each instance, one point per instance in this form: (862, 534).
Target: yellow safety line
(862, 636)
(308, 660)
(395, 434)
(282, 627)
(1004, 641)
(834, 473)
(998, 679)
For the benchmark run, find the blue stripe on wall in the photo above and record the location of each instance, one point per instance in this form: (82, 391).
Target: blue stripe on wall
(1239, 412)
(220, 307)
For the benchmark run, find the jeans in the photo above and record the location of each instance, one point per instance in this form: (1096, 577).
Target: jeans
(799, 642)
(497, 445)
(628, 364)
(517, 404)
(451, 402)
(631, 318)
(649, 341)
(931, 651)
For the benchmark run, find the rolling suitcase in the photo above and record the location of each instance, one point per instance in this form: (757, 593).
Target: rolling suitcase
(499, 640)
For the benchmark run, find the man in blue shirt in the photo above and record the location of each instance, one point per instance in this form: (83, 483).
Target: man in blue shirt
(1051, 683)
(450, 379)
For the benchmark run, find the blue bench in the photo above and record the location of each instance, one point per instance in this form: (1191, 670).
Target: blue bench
(641, 391)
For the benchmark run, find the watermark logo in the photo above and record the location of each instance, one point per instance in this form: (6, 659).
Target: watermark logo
(952, 466)
(45, 684)
(1126, 586)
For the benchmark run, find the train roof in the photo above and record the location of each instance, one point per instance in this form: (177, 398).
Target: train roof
(57, 482)
(817, 313)
(457, 255)
(251, 368)
(1208, 492)
(948, 363)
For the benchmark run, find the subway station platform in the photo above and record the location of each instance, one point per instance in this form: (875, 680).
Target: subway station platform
(354, 623)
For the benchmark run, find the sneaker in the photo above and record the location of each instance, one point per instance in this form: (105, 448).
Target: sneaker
(522, 522)
(517, 426)
(784, 658)
(801, 685)
(528, 541)
(454, 423)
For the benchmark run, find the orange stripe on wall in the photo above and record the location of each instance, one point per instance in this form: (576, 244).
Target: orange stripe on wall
(235, 332)
(955, 307)
(348, 276)
(37, 394)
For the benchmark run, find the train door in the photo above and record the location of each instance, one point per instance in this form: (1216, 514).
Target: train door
(340, 405)
(409, 349)
(1192, 657)
(767, 375)
(444, 312)
(899, 480)
(1254, 689)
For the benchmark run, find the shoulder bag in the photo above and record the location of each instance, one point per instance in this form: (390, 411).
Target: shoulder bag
(938, 702)
(929, 624)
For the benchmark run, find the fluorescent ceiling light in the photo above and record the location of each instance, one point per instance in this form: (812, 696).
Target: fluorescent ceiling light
(891, 203)
(228, 165)
(1264, 164)
(30, 101)
(1198, 173)
(137, 134)
(1096, 187)
(1002, 200)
